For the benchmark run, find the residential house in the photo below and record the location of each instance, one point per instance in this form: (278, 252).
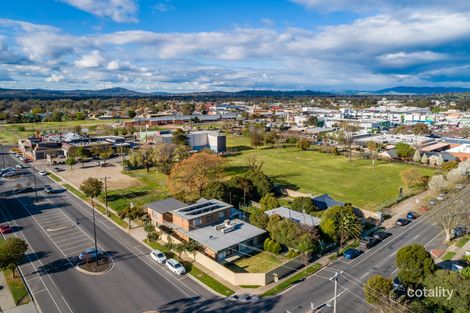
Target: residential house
(295, 216)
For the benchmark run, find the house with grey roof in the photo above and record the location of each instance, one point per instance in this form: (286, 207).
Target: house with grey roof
(209, 223)
(295, 216)
(324, 202)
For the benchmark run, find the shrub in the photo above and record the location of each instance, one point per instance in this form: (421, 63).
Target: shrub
(276, 248)
(266, 244)
(271, 246)
(447, 166)
(153, 236)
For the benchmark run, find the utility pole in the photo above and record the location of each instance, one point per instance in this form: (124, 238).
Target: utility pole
(336, 289)
(3, 155)
(105, 178)
(35, 185)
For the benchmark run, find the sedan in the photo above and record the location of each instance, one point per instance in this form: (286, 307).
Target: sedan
(369, 242)
(175, 267)
(90, 253)
(403, 221)
(350, 254)
(381, 234)
(5, 229)
(8, 174)
(48, 189)
(412, 215)
(57, 169)
(19, 166)
(43, 173)
(158, 256)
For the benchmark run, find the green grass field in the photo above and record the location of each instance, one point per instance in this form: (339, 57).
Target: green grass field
(10, 133)
(358, 182)
(152, 187)
(17, 288)
(259, 263)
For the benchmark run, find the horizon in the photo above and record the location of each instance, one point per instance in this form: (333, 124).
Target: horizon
(179, 46)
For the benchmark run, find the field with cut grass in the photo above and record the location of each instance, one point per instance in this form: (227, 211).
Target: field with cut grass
(259, 263)
(358, 182)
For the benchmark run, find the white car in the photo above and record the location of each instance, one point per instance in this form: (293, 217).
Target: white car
(43, 173)
(175, 267)
(19, 166)
(158, 256)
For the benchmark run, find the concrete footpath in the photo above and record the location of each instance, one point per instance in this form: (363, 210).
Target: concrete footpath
(7, 304)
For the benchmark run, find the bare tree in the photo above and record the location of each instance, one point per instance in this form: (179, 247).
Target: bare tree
(347, 136)
(454, 212)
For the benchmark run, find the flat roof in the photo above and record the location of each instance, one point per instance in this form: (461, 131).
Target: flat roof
(217, 240)
(201, 208)
(295, 216)
(435, 146)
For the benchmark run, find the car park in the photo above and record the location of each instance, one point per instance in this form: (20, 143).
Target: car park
(381, 234)
(48, 189)
(158, 256)
(403, 221)
(412, 215)
(175, 267)
(369, 242)
(90, 253)
(351, 253)
(5, 229)
(43, 173)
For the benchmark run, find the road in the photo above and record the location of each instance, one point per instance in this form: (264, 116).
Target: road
(134, 284)
(137, 284)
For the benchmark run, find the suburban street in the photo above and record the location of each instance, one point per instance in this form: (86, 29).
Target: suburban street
(137, 284)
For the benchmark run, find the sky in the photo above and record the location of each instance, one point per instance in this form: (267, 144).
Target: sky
(207, 45)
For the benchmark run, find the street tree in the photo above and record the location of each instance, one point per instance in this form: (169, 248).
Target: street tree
(92, 188)
(452, 214)
(330, 218)
(12, 251)
(414, 264)
(348, 227)
(378, 289)
(374, 149)
(438, 183)
(306, 246)
(459, 302)
(70, 161)
(188, 178)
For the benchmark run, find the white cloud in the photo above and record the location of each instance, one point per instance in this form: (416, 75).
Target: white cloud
(411, 58)
(55, 77)
(91, 60)
(121, 11)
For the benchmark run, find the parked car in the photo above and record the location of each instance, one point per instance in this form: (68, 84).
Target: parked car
(369, 242)
(398, 286)
(403, 221)
(19, 166)
(158, 256)
(458, 266)
(175, 267)
(6, 170)
(90, 253)
(459, 231)
(43, 173)
(381, 234)
(233, 298)
(48, 189)
(5, 229)
(432, 202)
(8, 174)
(412, 215)
(351, 253)
(57, 169)
(440, 197)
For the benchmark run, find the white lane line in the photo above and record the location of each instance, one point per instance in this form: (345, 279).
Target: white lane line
(395, 252)
(365, 274)
(416, 237)
(73, 243)
(394, 272)
(57, 228)
(429, 242)
(31, 262)
(62, 240)
(42, 290)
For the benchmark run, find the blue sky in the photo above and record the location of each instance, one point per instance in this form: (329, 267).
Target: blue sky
(178, 46)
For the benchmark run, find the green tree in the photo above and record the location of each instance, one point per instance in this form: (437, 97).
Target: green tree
(306, 246)
(131, 113)
(163, 157)
(303, 204)
(105, 154)
(179, 137)
(261, 182)
(414, 264)
(378, 289)
(259, 219)
(132, 213)
(268, 202)
(71, 161)
(348, 226)
(12, 251)
(329, 221)
(216, 190)
(303, 144)
(404, 150)
(459, 302)
(92, 188)
(266, 244)
(447, 166)
(374, 149)
(256, 139)
(270, 138)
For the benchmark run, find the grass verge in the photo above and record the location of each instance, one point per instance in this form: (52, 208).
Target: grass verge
(448, 256)
(82, 196)
(292, 280)
(54, 177)
(462, 241)
(17, 288)
(250, 286)
(194, 271)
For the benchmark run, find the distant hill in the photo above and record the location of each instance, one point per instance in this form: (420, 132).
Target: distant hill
(421, 90)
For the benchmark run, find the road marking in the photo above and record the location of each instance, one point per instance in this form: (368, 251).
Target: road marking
(416, 237)
(42, 290)
(394, 271)
(394, 253)
(434, 238)
(57, 228)
(365, 274)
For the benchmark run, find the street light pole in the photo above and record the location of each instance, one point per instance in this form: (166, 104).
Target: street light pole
(3, 155)
(336, 289)
(94, 230)
(105, 178)
(35, 185)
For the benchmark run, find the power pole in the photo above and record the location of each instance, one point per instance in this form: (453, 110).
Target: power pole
(94, 231)
(35, 186)
(105, 178)
(336, 289)
(3, 155)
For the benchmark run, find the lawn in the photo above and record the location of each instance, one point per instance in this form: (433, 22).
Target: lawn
(462, 241)
(297, 278)
(151, 187)
(10, 133)
(358, 182)
(17, 288)
(448, 256)
(259, 263)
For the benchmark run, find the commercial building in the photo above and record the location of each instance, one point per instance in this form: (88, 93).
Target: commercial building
(209, 223)
(197, 140)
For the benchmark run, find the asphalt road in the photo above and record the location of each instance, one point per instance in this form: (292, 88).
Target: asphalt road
(137, 284)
